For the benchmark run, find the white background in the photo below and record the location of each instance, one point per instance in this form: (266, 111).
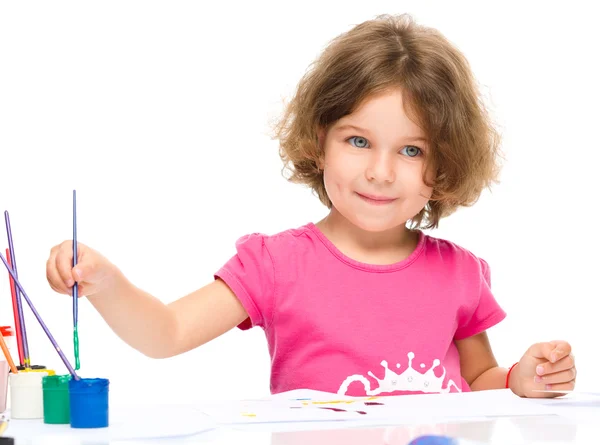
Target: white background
(158, 114)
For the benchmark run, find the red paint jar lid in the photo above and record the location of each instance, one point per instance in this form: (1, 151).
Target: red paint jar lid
(6, 331)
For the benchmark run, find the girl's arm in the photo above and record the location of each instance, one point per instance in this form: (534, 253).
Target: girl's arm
(141, 320)
(161, 331)
(545, 370)
(479, 366)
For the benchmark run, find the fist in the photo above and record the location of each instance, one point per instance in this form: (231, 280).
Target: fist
(548, 366)
(92, 273)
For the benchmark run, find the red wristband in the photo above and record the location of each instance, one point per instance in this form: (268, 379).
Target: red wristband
(509, 371)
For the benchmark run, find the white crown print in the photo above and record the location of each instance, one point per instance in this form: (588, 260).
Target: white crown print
(409, 380)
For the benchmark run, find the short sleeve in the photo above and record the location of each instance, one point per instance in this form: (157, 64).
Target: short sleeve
(486, 312)
(249, 274)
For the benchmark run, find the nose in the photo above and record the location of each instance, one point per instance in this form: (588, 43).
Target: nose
(381, 167)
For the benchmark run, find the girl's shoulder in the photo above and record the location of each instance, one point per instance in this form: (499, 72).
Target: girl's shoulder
(451, 252)
(284, 241)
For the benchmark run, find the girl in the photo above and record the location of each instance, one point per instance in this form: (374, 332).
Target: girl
(388, 130)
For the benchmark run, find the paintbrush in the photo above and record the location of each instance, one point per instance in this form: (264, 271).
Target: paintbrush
(39, 319)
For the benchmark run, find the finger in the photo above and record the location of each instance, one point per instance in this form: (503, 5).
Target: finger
(563, 364)
(561, 349)
(54, 279)
(557, 377)
(541, 350)
(567, 386)
(64, 263)
(86, 271)
(551, 351)
(80, 251)
(82, 290)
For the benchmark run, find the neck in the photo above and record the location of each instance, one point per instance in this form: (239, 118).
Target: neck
(382, 247)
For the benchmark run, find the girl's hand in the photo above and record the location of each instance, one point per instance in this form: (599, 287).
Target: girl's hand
(93, 272)
(548, 366)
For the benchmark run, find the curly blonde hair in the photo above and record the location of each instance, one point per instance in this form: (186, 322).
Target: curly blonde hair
(440, 95)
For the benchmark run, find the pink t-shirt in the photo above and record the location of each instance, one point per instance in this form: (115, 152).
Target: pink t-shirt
(338, 325)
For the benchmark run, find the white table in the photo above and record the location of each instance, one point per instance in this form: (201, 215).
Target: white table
(571, 425)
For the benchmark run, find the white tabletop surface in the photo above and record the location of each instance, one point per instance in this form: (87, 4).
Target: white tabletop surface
(506, 431)
(575, 422)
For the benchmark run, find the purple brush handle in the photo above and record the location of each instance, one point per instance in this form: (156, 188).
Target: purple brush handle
(11, 249)
(39, 319)
(75, 287)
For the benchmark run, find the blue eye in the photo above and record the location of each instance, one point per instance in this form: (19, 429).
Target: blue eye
(360, 142)
(411, 150)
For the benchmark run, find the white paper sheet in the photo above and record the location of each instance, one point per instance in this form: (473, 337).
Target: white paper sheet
(580, 406)
(571, 392)
(323, 407)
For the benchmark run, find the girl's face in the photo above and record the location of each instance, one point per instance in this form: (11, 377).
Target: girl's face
(374, 163)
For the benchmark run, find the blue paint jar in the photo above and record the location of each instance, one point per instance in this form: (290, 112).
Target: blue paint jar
(441, 440)
(89, 403)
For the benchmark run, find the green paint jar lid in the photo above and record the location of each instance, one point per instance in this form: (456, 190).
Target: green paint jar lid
(56, 381)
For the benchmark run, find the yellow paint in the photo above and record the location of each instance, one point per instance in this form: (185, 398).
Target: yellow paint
(248, 414)
(328, 402)
(49, 371)
(333, 402)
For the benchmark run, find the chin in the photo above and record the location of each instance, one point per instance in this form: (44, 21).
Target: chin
(370, 225)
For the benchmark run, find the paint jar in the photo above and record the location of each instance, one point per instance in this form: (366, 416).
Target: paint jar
(36, 368)
(89, 403)
(56, 399)
(26, 395)
(4, 371)
(9, 338)
(11, 343)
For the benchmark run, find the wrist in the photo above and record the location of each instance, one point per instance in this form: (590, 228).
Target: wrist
(513, 381)
(112, 284)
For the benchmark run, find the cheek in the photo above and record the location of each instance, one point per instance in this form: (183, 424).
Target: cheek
(413, 186)
(414, 180)
(330, 179)
(338, 171)
(426, 192)
(334, 180)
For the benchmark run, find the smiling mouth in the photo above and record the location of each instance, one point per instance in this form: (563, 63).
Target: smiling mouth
(376, 200)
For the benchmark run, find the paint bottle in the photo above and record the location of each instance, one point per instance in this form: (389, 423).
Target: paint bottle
(36, 368)
(55, 390)
(9, 338)
(21, 369)
(11, 343)
(4, 372)
(441, 440)
(89, 403)
(26, 395)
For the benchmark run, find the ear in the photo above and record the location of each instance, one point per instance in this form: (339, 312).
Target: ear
(321, 163)
(321, 134)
